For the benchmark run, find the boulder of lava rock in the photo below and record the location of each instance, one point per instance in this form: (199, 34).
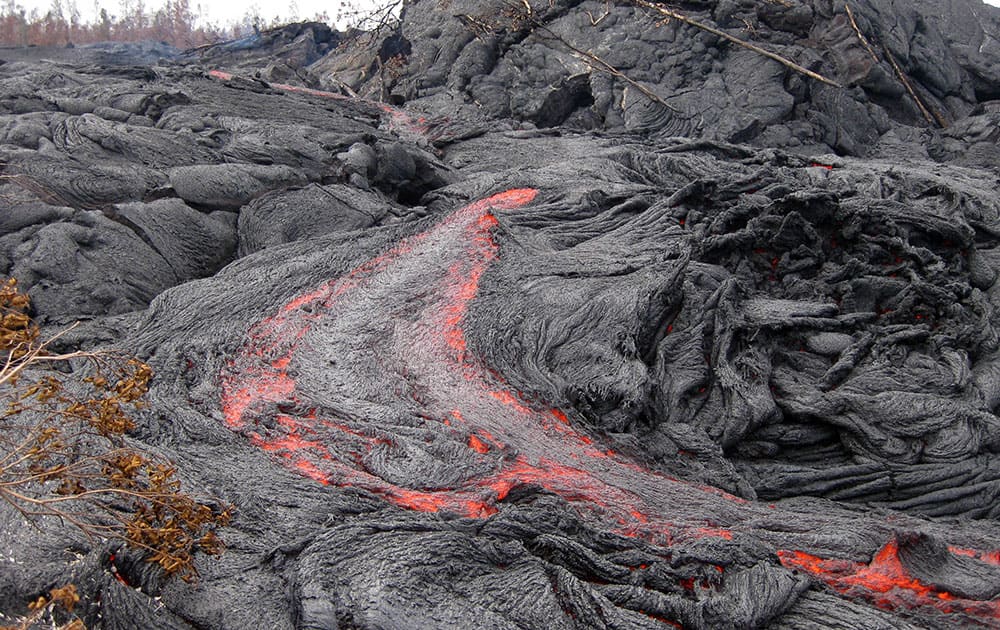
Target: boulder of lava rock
(228, 186)
(287, 216)
(279, 54)
(87, 263)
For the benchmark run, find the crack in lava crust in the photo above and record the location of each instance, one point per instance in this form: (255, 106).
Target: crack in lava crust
(886, 583)
(417, 419)
(368, 382)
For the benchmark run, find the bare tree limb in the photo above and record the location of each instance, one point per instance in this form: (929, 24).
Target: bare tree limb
(595, 21)
(857, 31)
(670, 13)
(599, 64)
(934, 119)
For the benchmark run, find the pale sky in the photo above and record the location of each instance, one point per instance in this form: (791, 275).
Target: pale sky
(223, 12)
(219, 12)
(229, 11)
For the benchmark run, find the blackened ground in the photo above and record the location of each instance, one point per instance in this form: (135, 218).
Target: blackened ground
(461, 372)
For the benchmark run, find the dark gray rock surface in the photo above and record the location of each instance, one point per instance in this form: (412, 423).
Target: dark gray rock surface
(463, 54)
(534, 350)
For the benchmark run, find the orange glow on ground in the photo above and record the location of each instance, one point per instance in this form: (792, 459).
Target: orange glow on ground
(452, 397)
(885, 582)
(989, 557)
(477, 445)
(714, 532)
(260, 378)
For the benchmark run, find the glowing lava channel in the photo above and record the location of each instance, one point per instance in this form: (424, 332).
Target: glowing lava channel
(885, 582)
(401, 409)
(425, 369)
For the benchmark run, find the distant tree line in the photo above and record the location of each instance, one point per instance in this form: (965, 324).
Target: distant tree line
(175, 23)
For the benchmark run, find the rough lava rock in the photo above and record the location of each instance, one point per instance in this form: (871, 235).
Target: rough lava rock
(474, 333)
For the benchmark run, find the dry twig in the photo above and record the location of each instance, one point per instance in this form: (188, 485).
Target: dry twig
(596, 63)
(670, 13)
(601, 65)
(63, 451)
(932, 117)
(857, 31)
(595, 21)
(935, 118)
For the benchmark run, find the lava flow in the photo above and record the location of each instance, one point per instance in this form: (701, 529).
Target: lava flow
(368, 382)
(886, 583)
(401, 408)
(399, 121)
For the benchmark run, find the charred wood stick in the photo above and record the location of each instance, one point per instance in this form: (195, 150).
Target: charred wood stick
(864, 41)
(788, 63)
(933, 119)
(599, 64)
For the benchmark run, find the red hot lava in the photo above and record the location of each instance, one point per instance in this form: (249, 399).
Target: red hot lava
(886, 583)
(451, 395)
(368, 381)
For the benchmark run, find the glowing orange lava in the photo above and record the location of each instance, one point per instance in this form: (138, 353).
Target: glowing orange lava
(457, 415)
(885, 582)
(989, 557)
(547, 451)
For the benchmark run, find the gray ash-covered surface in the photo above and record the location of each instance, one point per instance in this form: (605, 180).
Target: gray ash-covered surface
(526, 348)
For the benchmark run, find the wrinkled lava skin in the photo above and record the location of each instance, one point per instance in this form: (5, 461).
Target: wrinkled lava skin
(463, 439)
(430, 411)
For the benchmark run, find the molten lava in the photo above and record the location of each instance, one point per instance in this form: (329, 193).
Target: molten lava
(504, 434)
(886, 583)
(403, 409)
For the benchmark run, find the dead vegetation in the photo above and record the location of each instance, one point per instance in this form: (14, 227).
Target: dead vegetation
(65, 455)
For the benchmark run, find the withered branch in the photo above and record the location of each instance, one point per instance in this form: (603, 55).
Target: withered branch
(670, 13)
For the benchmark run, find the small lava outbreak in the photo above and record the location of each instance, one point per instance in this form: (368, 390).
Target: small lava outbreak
(407, 411)
(886, 583)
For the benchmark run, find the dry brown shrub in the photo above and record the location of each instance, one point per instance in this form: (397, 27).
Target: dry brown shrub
(64, 452)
